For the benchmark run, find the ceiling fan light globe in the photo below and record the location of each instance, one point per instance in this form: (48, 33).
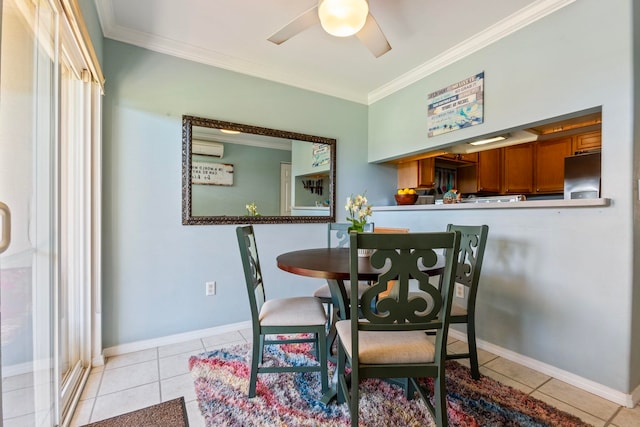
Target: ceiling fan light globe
(343, 18)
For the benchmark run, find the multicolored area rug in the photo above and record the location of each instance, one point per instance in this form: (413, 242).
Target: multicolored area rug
(221, 380)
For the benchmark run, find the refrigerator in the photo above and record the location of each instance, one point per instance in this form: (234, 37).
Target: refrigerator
(582, 176)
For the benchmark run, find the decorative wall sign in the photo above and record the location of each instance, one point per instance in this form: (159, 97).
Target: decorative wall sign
(457, 106)
(321, 154)
(211, 173)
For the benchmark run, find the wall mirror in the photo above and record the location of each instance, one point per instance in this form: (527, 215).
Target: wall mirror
(238, 174)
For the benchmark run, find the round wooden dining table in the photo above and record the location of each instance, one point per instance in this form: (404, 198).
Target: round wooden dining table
(324, 263)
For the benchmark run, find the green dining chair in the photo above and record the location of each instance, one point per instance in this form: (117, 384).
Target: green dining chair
(297, 315)
(472, 245)
(389, 341)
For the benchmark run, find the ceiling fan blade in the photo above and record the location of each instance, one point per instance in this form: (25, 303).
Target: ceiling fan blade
(299, 24)
(373, 37)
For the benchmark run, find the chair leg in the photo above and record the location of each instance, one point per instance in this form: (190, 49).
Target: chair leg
(261, 353)
(351, 390)
(255, 359)
(440, 400)
(409, 390)
(354, 398)
(340, 371)
(473, 350)
(321, 345)
(316, 345)
(332, 337)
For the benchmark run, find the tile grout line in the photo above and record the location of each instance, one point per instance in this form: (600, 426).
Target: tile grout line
(95, 398)
(612, 417)
(541, 384)
(569, 404)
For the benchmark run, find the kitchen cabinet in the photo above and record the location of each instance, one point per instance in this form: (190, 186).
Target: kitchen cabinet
(587, 141)
(417, 173)
(490, 171)
(549, 164)
(528, 168)
(485, 176)
(517, 166)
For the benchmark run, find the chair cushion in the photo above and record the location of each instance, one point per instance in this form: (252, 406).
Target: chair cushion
(388, 347)
(298, 311)
(324, 292)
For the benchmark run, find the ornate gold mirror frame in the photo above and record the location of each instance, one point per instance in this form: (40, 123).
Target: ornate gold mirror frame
(188, 218)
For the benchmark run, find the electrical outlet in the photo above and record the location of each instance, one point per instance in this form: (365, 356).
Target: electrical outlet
(459, 290)
(210, 288)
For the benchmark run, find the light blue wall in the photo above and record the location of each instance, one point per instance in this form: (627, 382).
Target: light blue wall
(635, 302)
(154, 268)
(555, 281)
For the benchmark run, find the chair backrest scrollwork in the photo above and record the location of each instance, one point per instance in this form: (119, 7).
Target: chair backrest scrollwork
(402, 257)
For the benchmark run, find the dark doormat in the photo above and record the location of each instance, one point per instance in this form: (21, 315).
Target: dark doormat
(171, 413)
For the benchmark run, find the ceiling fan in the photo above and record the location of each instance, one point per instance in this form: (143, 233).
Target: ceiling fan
(339, 18)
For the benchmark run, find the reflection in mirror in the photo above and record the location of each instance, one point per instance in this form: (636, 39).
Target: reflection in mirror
(237, 174)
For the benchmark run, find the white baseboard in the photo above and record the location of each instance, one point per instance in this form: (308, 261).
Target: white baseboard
(628, 400)
(173, 339)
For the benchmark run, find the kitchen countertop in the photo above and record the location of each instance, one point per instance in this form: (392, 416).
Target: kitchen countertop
(528, 204)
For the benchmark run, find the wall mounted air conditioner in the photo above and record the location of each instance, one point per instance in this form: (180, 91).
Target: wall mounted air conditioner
(207, 148)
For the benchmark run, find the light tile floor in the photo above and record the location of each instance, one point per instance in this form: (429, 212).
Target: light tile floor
(133, 381)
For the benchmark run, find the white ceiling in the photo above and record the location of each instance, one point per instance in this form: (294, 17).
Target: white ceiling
(425, 36)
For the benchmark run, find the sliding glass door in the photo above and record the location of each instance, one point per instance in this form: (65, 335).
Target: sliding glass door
(28, 181)
(47, 126)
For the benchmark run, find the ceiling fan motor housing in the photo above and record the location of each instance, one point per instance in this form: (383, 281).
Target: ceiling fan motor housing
(343, 18)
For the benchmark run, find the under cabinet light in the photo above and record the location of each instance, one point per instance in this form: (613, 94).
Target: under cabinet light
(489, 140)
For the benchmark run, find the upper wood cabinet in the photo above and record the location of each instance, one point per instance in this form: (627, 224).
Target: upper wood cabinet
(485, 176)
(517, 162)
(490, 171)
(417, 173)
(587, 141)
(549, 164)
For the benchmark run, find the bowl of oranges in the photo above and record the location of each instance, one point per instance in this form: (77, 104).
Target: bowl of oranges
(406, 196)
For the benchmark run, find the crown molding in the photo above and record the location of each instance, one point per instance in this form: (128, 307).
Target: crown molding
(209, 57)
(503, 28)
